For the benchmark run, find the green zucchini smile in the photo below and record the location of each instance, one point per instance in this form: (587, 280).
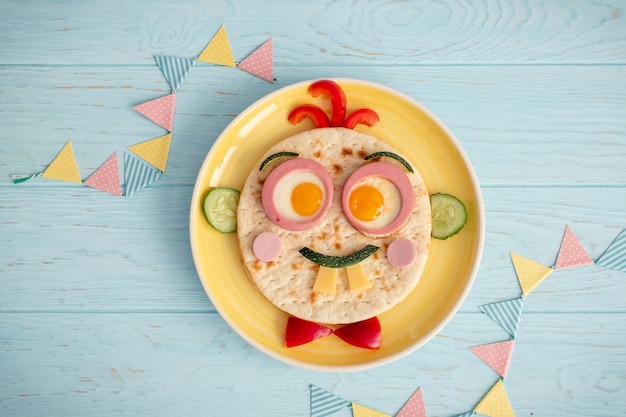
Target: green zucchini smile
(330, 261)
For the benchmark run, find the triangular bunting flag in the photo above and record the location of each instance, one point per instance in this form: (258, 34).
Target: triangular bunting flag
(529, 273)
(414, 407)
(505, 313)
(160, 110)
(495, 403)
(496, 355)
(218, 50)
(138, 174)
(614, 256)
(572, 253)
(361, 411)
(107, 177)
(260, 62)
(64, 167)
(324, 403)
(154, 151)
(174, 69)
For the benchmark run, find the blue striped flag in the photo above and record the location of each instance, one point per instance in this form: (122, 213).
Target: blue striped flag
(174, 69)
(138, 174)
(324, 403)
(505, 313)
(614, 256)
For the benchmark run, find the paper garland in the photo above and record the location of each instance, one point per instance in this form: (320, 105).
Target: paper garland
(495, 403)
(497, 355)
(572, 252)
(174, 69)
(614, 256)
(324, 403)
(218, 50)
(414, 407)
(63, 167)
(155, 152)
(529, 273)
(160, 110)
(260, 63)
(505, 313)
(107, 177)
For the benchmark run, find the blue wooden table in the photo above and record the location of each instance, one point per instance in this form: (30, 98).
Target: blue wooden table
(101, 309)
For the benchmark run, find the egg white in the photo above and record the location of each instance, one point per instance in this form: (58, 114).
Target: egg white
(283, 191)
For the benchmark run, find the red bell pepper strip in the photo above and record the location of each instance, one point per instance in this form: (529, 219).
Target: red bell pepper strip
(364, 334)
(364, 116)
(337, 99)
(311, 111)
(300, 332)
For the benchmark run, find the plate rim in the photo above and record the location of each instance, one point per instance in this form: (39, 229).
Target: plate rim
(480, 212)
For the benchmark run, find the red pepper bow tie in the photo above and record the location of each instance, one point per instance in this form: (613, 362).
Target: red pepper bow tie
(364, 334)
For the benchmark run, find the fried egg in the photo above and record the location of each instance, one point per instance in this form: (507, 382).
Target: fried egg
(299, 196)
(374, 202)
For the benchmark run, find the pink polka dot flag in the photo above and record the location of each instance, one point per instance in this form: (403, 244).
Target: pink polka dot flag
(260, 62)
(107, 177)
(414, 407)
(572, 253)
(160, 110)
(496, 355)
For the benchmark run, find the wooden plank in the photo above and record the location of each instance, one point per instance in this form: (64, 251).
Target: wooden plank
(177, 364)
(514, 133)
(133, 253)
(397, 33)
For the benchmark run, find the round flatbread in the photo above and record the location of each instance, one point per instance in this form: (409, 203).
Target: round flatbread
(287, 280)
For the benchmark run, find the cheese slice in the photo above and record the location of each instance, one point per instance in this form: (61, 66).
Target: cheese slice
(326, 280)
(357, 279)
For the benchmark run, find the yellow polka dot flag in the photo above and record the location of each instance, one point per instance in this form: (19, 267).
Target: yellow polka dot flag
(64, 167)
(218, 50)
(154, 151)
(495, 403)
(361, 411)
(529, 273)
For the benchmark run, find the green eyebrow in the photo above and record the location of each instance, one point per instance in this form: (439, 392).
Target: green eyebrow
(274, 156)
(391, 155)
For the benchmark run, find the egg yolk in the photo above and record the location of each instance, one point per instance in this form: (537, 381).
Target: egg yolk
(306, 198)
(366, 203)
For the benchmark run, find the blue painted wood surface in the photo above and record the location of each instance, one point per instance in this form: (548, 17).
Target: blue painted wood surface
(101, 310)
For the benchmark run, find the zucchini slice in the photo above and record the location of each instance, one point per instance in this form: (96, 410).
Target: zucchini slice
(220, 209)
(391, 155)
(276, 156)
(448, 215)
(330, 261)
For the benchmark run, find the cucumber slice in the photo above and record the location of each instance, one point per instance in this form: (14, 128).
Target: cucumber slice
(220, 209)
(448, 214)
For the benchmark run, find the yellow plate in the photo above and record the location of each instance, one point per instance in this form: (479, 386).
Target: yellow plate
(452, 263)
